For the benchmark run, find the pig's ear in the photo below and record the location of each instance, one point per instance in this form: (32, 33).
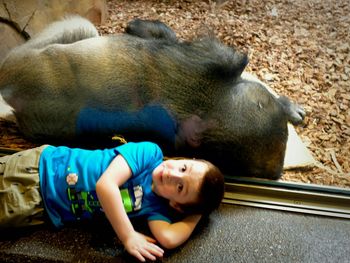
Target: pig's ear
(240, 61)
(191, 130)
(230, 69)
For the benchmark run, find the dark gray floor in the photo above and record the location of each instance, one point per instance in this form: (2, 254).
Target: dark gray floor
(232, 234)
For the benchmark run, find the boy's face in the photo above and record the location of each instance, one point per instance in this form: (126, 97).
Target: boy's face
(179, 181)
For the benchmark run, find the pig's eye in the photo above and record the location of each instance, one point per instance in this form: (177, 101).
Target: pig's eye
(184, 168)
(180, 187)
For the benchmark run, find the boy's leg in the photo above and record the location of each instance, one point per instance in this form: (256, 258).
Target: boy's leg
(20, 200)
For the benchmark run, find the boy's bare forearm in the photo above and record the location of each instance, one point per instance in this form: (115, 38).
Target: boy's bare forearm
(113, 207)
(173, 235)
(107, 189)
(182, 230)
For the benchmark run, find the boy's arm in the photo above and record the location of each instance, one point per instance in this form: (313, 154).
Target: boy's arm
(107, 189)
(173, 235)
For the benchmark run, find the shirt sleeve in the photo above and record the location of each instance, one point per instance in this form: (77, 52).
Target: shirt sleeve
(141, 156)
(159, 217)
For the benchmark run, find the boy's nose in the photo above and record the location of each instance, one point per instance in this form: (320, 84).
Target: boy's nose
(174, 175)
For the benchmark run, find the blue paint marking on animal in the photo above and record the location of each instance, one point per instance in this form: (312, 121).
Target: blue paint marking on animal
(150, 119)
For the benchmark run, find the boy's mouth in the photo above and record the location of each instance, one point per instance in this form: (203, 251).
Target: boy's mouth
(161, 173)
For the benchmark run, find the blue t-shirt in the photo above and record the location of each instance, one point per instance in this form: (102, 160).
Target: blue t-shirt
(68, 180)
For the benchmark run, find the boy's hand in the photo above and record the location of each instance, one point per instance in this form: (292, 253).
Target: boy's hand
(149, 239)
(141, 247)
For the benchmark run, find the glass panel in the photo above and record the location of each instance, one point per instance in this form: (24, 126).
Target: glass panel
(298, 48)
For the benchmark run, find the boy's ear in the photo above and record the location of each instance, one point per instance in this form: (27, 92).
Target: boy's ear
(176, 206)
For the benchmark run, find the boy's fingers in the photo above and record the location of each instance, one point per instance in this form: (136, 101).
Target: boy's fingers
(148, 255)
(138, 255)
(155, 250)
(150, 239)
(147, 250)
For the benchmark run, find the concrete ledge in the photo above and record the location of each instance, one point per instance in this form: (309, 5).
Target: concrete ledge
(71, 244)
(86, 242)
(231, 234)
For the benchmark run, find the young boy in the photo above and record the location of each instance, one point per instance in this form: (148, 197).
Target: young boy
(128, 181)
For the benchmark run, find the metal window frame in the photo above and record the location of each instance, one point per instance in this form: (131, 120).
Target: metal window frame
(288, 196)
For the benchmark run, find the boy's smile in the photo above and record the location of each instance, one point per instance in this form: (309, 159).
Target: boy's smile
(179, 181)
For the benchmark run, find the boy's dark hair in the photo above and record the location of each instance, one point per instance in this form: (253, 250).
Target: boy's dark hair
(211, 192)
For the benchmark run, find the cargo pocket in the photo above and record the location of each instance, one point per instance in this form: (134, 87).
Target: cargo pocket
(20, 207)
(20, 200)
(9, 206)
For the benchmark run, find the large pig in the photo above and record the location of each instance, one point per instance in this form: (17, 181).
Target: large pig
(68, 83)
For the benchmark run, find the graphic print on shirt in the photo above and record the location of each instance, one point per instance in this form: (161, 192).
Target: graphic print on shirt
(132, 203)
(85, 203)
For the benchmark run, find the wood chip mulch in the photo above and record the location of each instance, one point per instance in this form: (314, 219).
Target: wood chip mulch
(299, 48)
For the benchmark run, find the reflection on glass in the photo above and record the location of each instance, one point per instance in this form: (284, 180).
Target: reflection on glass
(298, 48)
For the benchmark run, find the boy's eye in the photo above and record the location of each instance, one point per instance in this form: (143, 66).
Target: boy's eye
(180, 187)
(184, 168)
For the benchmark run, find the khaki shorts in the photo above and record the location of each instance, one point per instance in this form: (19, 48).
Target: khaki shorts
(20, 199)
